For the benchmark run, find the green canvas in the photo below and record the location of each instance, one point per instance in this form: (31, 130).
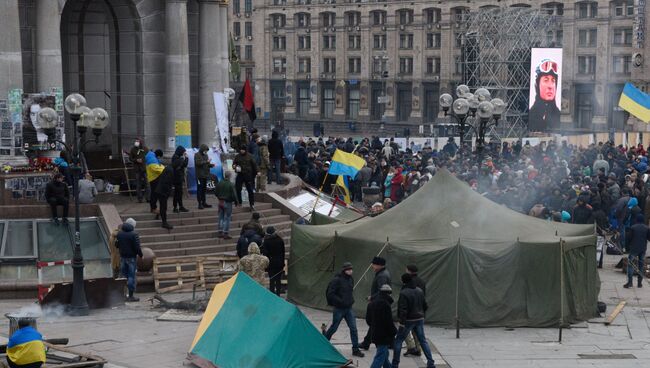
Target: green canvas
(490, 265)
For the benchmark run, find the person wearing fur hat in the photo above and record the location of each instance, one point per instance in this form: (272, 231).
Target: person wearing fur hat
(544, 114)
(273, 248)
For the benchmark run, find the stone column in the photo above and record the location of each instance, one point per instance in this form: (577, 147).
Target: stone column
(11, 66)
(211, 77)
(49, 69)
(178, 66)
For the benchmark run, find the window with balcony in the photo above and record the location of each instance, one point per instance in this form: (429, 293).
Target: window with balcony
(587, 9)
(329, 65)
(354, 65)
(304, 42)
(622, 64)
(587, 64)
(304, 65)
(279, 65)
(433, 40)
(406, 41)
(432, 15)
(406, 65)
(329, 42)
(433, 66)
(624, 8)
(379, 42)
(587, 37)
(622, 37)
(405, 16)
(378, 17)
(279, 43)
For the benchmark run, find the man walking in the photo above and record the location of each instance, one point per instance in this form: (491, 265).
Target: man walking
(412, 343)
(273, 248)
(136, 155)
(179, 163)
(276, 153)
(410, 313)
(154, 169)
(339, 295)
(264, 164)
(380, 319)
(128, 242)
(202, 167)
(162, 192)
(637, 239)
(58, 194)
(246, 169)
(382, 277)
(225, 192)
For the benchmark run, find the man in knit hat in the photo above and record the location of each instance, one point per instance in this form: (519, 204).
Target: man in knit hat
(128, 242)
(339, 295)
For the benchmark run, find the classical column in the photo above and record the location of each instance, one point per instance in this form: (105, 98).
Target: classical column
(211, 78)
(178, 66)
(11, 65)
(49, 70)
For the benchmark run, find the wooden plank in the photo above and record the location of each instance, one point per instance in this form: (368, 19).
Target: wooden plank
(156, 284)
(615, 313)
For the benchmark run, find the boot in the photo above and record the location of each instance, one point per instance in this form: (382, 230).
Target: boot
(414, 352)
(183, 209)
(131, 298)
(200, 206)
(358, 353)
(628, 285)
(639, 283)
(205, 205)
(166, 225)
(175, 210)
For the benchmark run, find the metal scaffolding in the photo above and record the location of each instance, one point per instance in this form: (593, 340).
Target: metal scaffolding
(496, 46)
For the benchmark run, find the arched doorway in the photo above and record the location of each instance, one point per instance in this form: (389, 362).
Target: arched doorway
(101, 43)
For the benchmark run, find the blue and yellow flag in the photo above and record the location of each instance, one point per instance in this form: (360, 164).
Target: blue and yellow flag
(344, 163)
(636, 102)
(153, 166)
(343, 183)
(26, 347)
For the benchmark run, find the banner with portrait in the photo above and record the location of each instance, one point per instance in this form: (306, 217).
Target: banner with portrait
(545, 89)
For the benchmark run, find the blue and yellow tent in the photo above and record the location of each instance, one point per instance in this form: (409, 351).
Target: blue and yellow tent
(245, 325)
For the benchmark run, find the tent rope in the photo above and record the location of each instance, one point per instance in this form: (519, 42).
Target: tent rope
(368, 268)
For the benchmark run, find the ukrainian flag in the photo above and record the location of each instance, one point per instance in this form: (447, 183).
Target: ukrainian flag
(154, 167)
(26, 347)
(636, 102)
(343, 183)
(344, 163)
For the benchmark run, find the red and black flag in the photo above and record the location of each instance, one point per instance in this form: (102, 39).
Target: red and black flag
(247, 101)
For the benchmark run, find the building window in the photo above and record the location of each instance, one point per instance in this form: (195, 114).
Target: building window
(458, 39)
(406, 66)
(622, 64)
(623, 37)
(329, 42)
(248, 52)
(554, 8)
(279, 43)
(329, 102)
(406, 41)
(405, 16)
(304, 100)
(587, 64)
(458, 13)
(587, 10)
(248, 29)
(235, 7)
(303, 20)
(304, 42)
(432, 16)
(353, 102)
(303, 2)
(236, 29)
(248, 6)
(433, 40)
(433, 66)
(279, 2)
(379, 42)
(559, 38)
(238, 51)
(304, 65)
(379, 65)
(278, 20)
(378, 17)
(249, 73)
(353, 18)
(279, 65)
(587, 37)
(624, 8)
(458, 65)
(329, 65)
(354, 65)
(328, 19)
(354, 42)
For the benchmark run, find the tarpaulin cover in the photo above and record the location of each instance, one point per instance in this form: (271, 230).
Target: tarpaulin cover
(496, 266)
(245, 325)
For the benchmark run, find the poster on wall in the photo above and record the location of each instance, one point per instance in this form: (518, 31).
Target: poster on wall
(545, 89)
(33, 134)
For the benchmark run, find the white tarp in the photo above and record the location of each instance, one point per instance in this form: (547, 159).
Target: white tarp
(221, 111)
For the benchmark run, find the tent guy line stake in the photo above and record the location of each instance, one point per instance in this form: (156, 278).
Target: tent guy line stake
(368, 269)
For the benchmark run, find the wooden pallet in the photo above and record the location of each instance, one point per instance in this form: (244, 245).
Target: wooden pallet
(190, 273)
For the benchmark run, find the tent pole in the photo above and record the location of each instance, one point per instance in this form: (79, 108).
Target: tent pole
(457, 283)
(368, 268)
(320, 191)
(561, 289)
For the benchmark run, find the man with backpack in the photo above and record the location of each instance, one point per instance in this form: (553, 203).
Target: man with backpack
(339, 295)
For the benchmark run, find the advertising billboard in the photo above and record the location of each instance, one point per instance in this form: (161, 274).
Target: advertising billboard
(545, 89)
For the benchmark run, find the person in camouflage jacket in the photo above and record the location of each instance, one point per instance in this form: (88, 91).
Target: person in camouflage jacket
(255, 264)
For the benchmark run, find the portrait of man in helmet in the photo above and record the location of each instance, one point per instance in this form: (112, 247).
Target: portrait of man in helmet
(544, 113)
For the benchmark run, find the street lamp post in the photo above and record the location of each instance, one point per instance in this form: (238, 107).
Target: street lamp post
(83, 118)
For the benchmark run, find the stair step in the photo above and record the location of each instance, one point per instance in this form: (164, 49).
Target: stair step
(164, 235)
(177, 244)
(205, 250)
(209, 225)
(242, 216)
(146, 215)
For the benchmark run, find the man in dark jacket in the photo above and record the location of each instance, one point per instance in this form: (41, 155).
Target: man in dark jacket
(202, 167)
(273, 249)
(247, 236)
(382, 277)
(253, 224)
(57, 194)
(225, 192)
(302, 160)
(128, 242)
(136, 155)
(380, 319)
(339, 295)
(163, 190)
(412, 343)
(411, 307)
(246, 169)
(582, 212)
(276, 153)
(179, 163)
(637, 243)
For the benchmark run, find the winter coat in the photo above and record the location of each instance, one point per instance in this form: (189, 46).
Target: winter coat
(637, 238)
(165, 182)
(276, 148)
(379, 317)
(202, 163)
(601, 163)
(179, 163)
(411, 304)
(264, 162)
(341, 291)
(137, 153)
(225, 190)
(382, 277)
(582, 215)
(247, 164)
(244, 241)
(418, 282)
(255, 226)
(273, 248)
(128, 242)
(254, 264)
(57, 190)
(87, 191)
(301, 157)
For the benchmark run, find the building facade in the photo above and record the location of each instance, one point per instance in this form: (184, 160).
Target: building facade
(352, 66)
(149, 63)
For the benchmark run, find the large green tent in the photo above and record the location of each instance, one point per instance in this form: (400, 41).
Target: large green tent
(481, 261)
(245, 325)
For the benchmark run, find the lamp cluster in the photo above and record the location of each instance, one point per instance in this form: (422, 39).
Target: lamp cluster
(480, 103)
